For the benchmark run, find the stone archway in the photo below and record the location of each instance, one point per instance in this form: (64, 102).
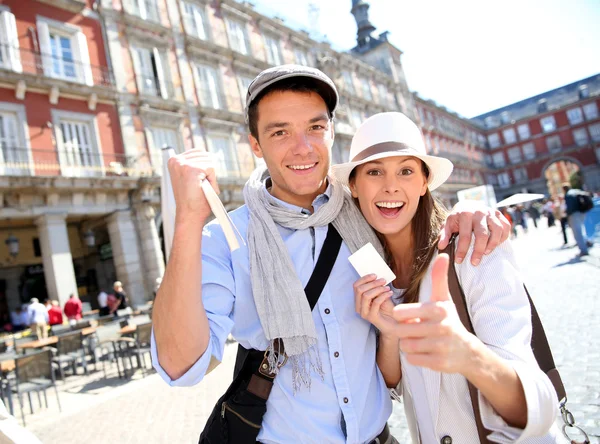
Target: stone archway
(558, 171)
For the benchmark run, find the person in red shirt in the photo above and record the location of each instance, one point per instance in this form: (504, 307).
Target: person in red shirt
(73, 308)
(55, 316)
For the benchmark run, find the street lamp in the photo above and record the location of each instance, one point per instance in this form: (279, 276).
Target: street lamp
(89, 238)
(12, 242)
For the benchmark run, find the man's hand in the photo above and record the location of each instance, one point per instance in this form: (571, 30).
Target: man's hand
(187, 171)
(490, 227)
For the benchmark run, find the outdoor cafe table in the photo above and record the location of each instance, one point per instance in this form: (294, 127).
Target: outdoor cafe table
(52, 340)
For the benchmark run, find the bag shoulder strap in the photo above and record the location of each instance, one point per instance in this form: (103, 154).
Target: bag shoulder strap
(313, 289)
(539, 342)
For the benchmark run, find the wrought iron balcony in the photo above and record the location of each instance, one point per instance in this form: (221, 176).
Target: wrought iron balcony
(68, 163)
(23, 60)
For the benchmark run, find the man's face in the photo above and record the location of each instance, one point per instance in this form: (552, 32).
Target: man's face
(295, 137)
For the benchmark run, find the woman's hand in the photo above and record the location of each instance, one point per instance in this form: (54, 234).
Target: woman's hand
(431, 333)
(374, 304)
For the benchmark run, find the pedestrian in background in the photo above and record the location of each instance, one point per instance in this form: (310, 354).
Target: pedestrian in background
(73, 308)
(103, 303)
(38, 318)
(560, 213)
(576, 218)
(548, 210)
(55, 316)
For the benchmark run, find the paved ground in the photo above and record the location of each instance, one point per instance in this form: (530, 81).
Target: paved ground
(566, 291)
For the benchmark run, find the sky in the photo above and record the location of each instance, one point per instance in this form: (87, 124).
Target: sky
(471, 56)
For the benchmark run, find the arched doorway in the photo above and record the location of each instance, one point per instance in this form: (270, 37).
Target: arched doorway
(557, 173)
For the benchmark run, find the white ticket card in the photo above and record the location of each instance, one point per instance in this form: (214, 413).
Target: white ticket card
(367, 261)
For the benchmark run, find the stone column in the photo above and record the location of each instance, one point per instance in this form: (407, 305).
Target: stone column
(56, 256)
(154, 262)
(124, 243)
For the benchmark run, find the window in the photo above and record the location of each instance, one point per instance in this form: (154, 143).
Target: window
(491, 122)
(366, 89)
(238, 38)
(575, 116)
(548, 124)
(492, 179)
(159, 138)
(78, 154)
(598, 155)
(223, 152)
(64, 51)
(591, 111)
(499, 160)
(14, 154)
(509, 135)
(581, 136)
(428, 144)
(195, 22)
(494, 140)
(514, 154)
(145, 9)
(209, 87)
(503, 180)
(151, 76)
(348, 83)
(301, 57)
(273, 50)
(529, 151)
(383, 94)
(505, 117)
(10, 57)
(488, 160)
(554, 144)
(244, 83)
(595, 132)
(523, 131)
(520, 175)
(356, 117)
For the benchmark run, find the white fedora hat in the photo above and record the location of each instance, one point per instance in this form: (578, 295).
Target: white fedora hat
(388, 135)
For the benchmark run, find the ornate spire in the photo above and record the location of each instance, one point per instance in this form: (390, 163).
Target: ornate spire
(360, 11)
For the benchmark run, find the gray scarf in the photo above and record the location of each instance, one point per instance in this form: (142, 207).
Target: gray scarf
(280, 300)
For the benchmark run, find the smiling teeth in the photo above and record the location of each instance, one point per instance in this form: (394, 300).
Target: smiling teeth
(302, 167)
(390, 204)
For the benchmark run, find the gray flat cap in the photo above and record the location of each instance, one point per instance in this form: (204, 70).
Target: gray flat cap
(277, 73)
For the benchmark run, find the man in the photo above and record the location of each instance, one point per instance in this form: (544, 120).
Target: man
(336, 393)
(38, 318)
(55, 316)
(121, 298)
(576, 219)
(73, 308)
(103, 303)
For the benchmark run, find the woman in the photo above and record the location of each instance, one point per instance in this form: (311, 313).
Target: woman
(391, 178)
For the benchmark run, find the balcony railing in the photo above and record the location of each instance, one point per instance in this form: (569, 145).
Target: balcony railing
(150, 85)
(48, 65)
(68, 163)
(144, 9)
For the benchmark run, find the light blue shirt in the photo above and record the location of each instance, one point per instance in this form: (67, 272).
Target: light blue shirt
(351, 403)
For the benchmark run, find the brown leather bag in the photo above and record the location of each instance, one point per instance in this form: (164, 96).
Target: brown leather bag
(539, 345)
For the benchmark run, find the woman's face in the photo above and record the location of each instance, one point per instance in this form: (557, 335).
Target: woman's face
(388, 192)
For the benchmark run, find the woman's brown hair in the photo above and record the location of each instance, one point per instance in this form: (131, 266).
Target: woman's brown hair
(426, 225)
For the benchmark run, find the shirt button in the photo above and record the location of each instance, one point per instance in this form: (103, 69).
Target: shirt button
(446, 440)
(327, 311)
(336, 354)
(346, 400)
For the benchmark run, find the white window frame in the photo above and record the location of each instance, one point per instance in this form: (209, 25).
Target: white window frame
(58, 117)
(220, 162)
(520, 175)
(514, 155)
(524, 131)
(22, 134)
(210, 95)
(503, 180)
(356, 117)
(143, 73)
(548, 124)
(499, 159)
(365, 88)
(243, 83)
(273, 49)
(575, 115)
(139, 8)
(509, 136)
(529, 152)
(238, 36)
(195, 20)
(590, 110)
(581, 136)
(594, 132)
(154, 147)
(550, 144)
(382, 92)
(9, 42)
(348, 82)
(301, 57)
(494, 140)
(79, 47)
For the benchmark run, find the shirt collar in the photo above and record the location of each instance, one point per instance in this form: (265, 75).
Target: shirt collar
(320, 200)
